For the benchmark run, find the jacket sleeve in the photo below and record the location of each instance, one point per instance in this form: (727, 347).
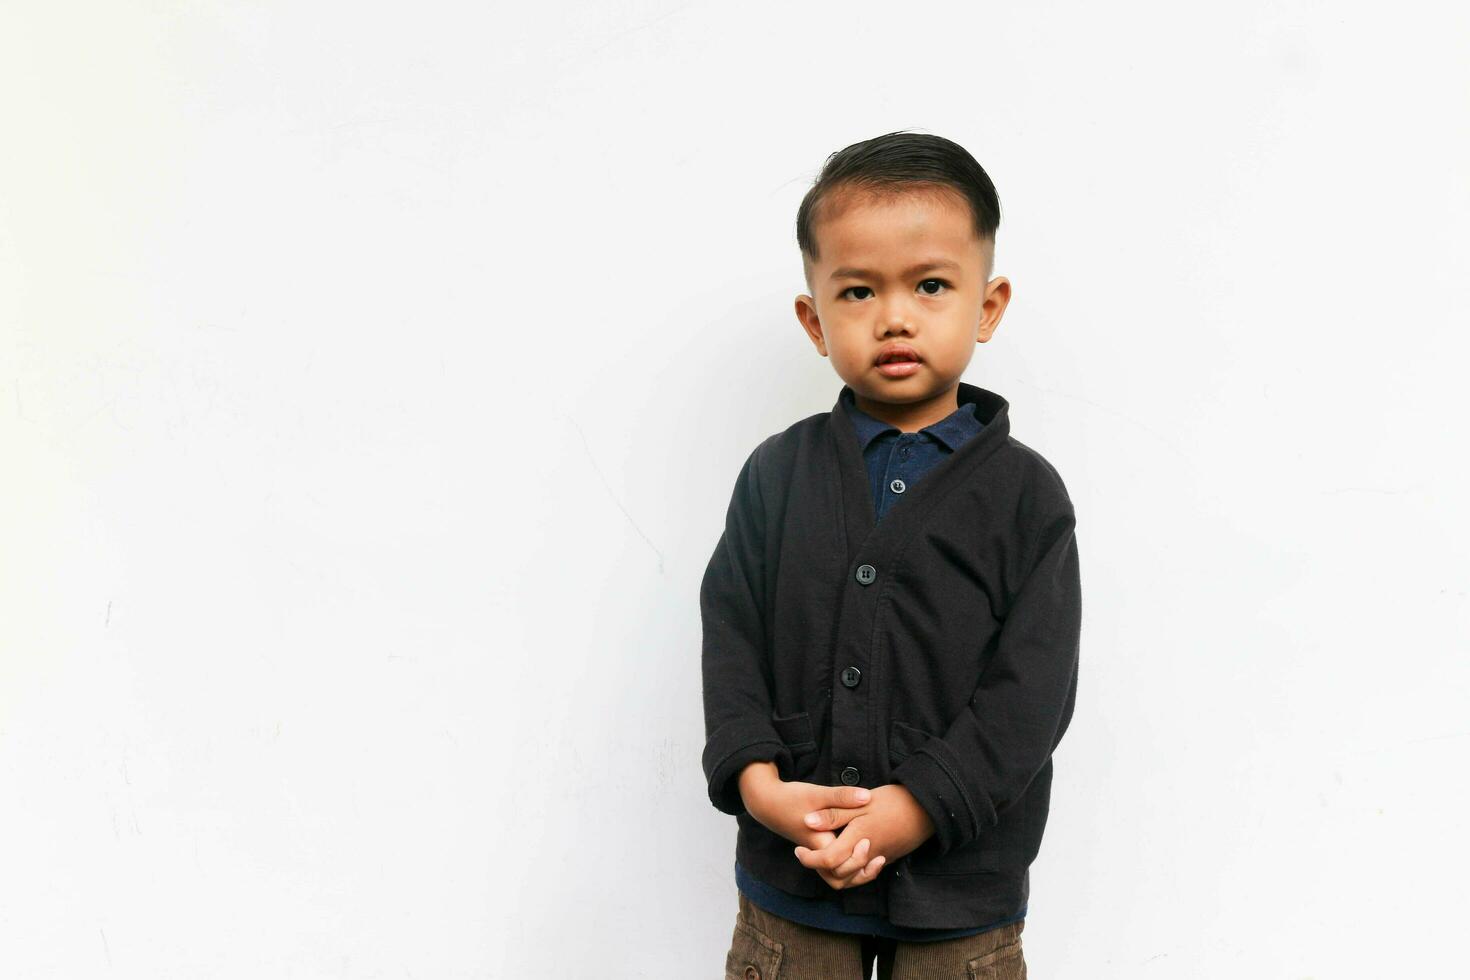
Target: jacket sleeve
(1022, 703)
(735, 662)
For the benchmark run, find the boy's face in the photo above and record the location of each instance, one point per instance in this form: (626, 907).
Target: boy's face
(901, 273)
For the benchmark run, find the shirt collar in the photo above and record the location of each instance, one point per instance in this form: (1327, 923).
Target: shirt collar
(952, 430)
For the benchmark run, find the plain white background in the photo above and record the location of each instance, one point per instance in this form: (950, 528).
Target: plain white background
(375, 377)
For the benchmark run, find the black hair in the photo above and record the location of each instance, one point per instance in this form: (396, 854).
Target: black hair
(895, 162)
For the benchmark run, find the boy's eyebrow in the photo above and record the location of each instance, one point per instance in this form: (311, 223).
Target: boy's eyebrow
(849, 273)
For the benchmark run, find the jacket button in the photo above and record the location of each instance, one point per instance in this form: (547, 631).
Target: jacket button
(851, 676)
(898, 486)
(866, 574)
(850, 776)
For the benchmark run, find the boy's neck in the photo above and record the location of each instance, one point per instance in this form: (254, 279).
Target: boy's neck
(911, 416)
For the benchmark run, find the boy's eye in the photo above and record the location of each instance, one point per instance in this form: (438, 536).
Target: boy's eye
(922, 285)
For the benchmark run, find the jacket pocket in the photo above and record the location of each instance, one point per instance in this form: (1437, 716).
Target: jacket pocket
(903, 741)
(796, 732)
(980, 856)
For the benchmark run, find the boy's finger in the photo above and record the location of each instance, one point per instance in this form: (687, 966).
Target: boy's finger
(856, 862)
(867, 872)
(811, 858)
(848, 796)
(870, 871)
(862, 876)
(828, 818)
(825, 859)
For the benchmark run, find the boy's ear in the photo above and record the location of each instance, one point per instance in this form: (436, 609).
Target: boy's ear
(997, 295)
(806, 312)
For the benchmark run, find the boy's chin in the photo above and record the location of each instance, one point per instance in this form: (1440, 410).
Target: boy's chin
(897, 391)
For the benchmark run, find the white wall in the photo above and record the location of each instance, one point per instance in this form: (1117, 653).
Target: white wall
(375, 377)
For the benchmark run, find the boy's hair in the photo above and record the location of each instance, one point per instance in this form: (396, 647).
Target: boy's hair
(893, 163)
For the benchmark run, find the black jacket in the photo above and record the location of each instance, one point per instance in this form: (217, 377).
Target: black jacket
(936, 648)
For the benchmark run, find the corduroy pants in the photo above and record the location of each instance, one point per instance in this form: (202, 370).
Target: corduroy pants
(768, 947)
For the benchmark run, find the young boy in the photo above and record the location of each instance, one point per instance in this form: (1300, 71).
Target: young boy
(891, 616)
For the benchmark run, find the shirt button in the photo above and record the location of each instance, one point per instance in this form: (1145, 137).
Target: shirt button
(851, 676)
(898, 486)
(866, 574)
(850, 776)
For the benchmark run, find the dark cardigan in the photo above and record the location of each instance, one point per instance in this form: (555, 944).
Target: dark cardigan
(937, 648)
(896, 462)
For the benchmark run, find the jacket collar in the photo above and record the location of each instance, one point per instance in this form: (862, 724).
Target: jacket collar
(952, 431)
(859, 520)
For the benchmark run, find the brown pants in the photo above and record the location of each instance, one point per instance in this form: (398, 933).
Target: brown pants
(768, 947)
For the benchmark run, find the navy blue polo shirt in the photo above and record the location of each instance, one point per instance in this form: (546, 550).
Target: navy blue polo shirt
(896, 461)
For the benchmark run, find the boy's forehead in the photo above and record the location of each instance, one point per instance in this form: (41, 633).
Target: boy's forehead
(863, 226)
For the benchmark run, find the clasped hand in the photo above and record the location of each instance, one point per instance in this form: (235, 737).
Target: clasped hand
(877, 826)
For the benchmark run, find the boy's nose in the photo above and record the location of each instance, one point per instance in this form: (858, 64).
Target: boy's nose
(896, 318)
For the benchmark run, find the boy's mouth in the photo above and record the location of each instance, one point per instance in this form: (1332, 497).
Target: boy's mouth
(897, 360)
(897, 352)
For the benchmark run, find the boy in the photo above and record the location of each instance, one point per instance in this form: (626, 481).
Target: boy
(891, 616)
